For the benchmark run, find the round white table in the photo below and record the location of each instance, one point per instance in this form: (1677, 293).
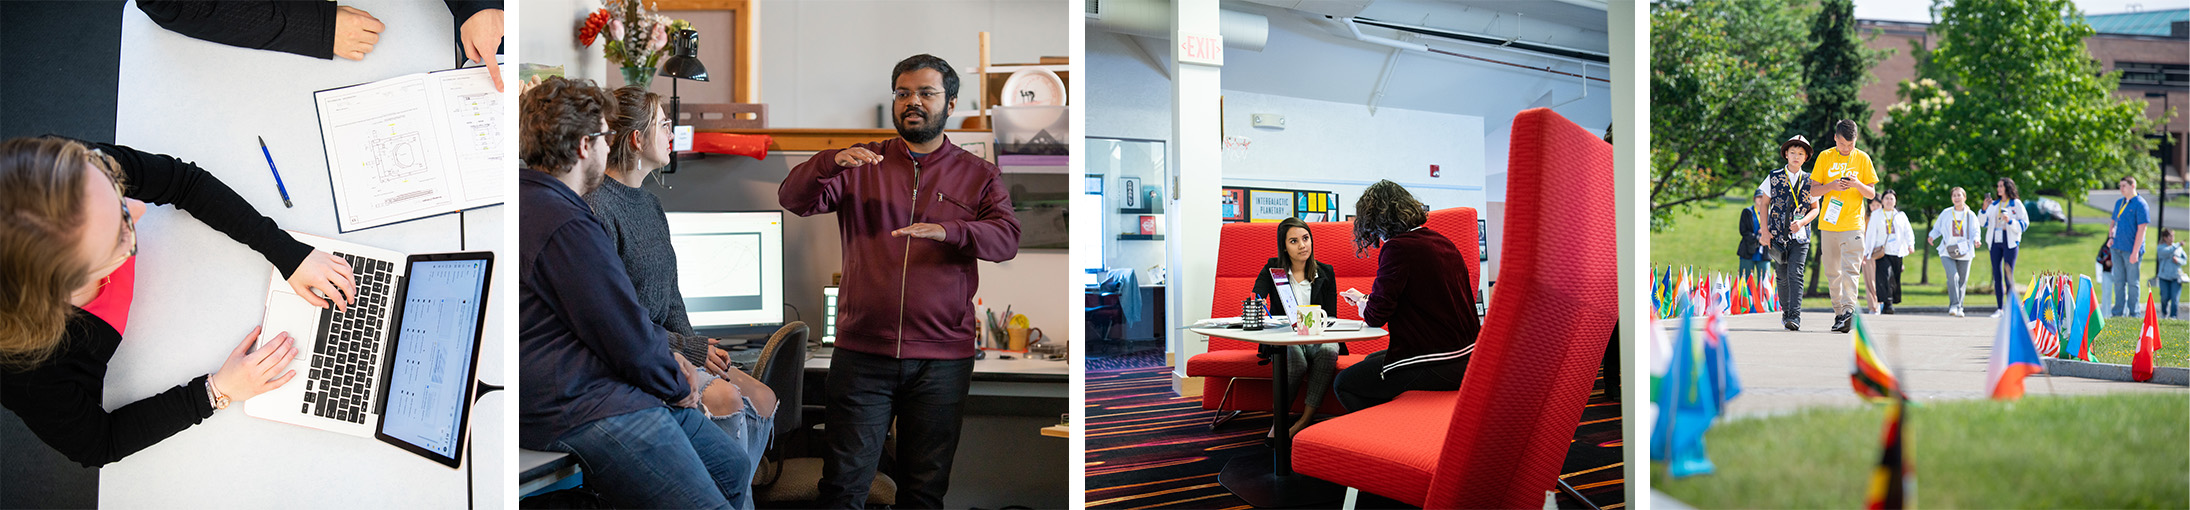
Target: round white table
(1269, 482)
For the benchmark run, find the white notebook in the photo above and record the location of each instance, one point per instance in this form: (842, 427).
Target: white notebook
(413, 146)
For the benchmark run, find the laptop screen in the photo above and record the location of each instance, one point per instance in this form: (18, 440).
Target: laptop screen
(429, 379)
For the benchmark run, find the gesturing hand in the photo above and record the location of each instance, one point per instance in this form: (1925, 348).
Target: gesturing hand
(247, 374)
(480, 36)
(920, 230)
(856, 156)
(329, 276)
(356, 32)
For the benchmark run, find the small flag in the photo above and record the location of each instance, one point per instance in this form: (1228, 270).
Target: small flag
(2014, 356)
(1872, 380)
(1697, 380)
(2148, 342)
(1893, 482)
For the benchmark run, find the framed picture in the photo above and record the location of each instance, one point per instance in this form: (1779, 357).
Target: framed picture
(1129, 188)
(1235, 205)
(1148, 225)
(1482, 238)
(1270, 206)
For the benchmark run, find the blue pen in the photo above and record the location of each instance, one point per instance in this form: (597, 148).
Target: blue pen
(277, 174)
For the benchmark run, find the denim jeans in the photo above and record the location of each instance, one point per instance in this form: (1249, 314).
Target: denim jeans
(662, 458)
(2001, 274)
(1792, 263)
(748, 428)
(928, 399)
(2121, 286)
(2170, 297)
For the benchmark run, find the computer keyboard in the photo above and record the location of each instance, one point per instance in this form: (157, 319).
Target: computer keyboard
(340, 384)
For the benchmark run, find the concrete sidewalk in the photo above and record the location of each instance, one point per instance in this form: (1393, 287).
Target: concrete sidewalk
(1937, 358)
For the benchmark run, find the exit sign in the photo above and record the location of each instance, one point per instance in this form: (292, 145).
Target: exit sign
(1205, 49)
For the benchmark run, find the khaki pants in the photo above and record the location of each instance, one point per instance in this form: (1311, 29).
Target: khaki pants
(1843, 260)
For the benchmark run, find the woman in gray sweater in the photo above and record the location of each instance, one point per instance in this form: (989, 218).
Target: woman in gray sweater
(635, 220)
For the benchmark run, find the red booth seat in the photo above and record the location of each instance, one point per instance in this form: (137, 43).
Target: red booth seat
(1233, 380)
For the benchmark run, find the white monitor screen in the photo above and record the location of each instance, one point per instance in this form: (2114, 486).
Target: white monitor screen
(431, 378)
(729, 266)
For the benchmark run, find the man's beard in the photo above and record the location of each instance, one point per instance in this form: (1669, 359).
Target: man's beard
(933, 127)
(593, 180)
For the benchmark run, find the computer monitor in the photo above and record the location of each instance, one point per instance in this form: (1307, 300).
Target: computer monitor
(730, 269)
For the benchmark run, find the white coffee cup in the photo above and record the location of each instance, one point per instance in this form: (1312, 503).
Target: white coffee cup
(1310, 320)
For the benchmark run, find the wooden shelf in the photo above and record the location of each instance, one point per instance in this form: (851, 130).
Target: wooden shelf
(807, 139)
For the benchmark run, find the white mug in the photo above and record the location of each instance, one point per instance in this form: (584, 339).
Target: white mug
(1310, 320)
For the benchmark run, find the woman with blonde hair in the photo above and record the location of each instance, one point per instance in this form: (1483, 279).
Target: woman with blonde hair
(68, 245)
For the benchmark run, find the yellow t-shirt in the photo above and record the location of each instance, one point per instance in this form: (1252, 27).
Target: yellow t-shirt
(1842, 210)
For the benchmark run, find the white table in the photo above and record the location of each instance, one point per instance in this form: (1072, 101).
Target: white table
(198, 292)
(1269, 482)
(994, 377)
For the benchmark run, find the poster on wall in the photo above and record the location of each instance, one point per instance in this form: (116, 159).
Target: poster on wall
(1235, 205)
(1482, 238)
(1270, 206)
(1129, 189)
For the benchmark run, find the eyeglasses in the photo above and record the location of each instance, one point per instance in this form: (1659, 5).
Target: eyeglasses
(925, 95)
(128, 233)
(592, 135)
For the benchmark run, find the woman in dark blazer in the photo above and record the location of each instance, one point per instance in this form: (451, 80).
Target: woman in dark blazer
(1311, 283)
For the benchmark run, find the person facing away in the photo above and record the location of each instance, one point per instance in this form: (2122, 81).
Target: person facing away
(1751, 250)
(1842, 180)
(1955, 233)
(597, 379)
(1311, 282)
(915, 214)
(68, 251)
(1422, 295)
(2169, 276)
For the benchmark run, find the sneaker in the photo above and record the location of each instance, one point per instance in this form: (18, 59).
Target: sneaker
(1844, 322)
(1996, 314)
(1791, 324)
(1954, 311)
(1885, 308)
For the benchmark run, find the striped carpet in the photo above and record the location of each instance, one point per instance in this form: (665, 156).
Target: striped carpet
(1148, 448)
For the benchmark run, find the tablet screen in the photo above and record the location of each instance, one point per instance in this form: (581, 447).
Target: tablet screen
(430, 377)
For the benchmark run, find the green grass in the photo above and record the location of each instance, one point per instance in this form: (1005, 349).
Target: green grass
(1706, 242)
(2105, 451)
(2118, 343)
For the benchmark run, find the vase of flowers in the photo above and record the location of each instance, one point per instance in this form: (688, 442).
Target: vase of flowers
(634, 37)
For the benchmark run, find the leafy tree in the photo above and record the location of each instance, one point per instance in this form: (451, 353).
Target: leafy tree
(1836, 69)
(1722, 74)
(2012, 92)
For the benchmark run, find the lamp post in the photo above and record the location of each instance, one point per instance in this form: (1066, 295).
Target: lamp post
(683, 64)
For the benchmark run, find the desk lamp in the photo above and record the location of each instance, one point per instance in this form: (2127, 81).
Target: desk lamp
(683, 64)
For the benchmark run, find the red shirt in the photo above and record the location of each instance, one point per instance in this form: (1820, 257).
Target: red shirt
(115, 294)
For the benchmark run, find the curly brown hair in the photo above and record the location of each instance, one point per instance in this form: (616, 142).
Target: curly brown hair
(553, 119)
(41, 204)
(1385, 209)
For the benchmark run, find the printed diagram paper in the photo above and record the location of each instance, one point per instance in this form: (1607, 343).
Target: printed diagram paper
(412, 146)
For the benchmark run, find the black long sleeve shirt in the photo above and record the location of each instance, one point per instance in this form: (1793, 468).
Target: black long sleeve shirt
(302, 27)
(60, 399)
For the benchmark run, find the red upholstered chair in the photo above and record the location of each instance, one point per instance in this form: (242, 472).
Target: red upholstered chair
(1233, 380)
(1498, 442)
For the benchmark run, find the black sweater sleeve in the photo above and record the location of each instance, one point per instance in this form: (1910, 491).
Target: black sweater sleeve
(163, 179)
(305, 28)
(60, 400)
(462, 10)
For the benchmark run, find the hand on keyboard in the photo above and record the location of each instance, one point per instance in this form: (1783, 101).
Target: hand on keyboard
(323, 274)
(247, 373)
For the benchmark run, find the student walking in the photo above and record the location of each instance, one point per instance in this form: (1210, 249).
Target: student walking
(1955, 235)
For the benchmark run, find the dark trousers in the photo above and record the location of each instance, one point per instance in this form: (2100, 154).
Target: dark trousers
(1793, 259)
(1365, 384)
(1889, 279)
(928, 399)
(2000, 272)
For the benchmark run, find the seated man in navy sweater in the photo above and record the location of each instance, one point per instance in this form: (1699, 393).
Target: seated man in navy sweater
(599, 380)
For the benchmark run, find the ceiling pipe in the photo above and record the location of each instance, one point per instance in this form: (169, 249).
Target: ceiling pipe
(1355, 29)
(1152, 18)
(1562, 52)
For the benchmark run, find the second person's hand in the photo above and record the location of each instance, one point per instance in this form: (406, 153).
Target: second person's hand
(480, 36)
(356, 32)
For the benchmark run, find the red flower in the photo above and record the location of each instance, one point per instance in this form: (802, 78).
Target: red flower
(592, 27)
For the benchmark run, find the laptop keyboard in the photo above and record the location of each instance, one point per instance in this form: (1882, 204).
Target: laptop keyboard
(340, 384)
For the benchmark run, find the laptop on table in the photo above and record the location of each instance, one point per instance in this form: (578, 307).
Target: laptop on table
(397, 365)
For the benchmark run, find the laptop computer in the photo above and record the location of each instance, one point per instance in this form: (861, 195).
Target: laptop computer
(397, 365)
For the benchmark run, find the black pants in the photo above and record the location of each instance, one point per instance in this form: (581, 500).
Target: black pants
(1363, 385)
(1793, 259)
(1889, 279)
(928, 399)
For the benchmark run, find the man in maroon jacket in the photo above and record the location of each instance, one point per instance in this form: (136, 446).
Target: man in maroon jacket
(916, 213)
